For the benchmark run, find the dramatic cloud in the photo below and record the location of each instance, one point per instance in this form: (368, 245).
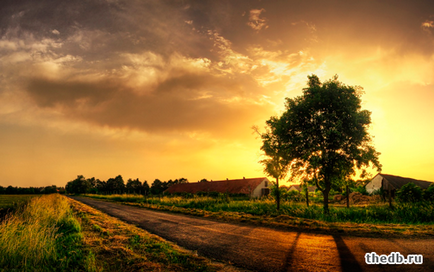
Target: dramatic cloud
(428, 24)
(255, 22)
(181, 83)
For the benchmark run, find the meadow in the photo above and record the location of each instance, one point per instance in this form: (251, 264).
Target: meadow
(414, 213)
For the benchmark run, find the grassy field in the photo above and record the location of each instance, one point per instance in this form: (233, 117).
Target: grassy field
(10, 201)
(54, 233)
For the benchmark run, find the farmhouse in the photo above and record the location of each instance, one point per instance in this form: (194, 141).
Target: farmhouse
(300, 188)
(254, 187)
(393, 183)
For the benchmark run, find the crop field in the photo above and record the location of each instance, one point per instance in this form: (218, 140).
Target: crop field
(10, 201)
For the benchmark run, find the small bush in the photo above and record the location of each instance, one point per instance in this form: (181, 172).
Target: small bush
(428, 194)
(360, 189)
(409, 193)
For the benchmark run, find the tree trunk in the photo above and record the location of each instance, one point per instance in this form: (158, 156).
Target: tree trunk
(307, 196)
(390, 197)
(348, 196)
(277, 194)
(326, 197)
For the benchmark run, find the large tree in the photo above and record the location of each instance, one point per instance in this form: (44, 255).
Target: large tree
(324, 132)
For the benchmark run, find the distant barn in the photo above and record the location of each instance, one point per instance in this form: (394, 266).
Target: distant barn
(253, 187)
(393, 183)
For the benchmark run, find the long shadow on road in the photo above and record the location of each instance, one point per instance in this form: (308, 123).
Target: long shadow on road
(347, 259)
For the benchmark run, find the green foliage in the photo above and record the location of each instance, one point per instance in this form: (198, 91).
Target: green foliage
(360, 189)
(428, 194)
(158, 187)
(409, 193)
(292, 195)
(80, 185)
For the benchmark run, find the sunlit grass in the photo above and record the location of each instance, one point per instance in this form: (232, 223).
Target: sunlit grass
(42, 235)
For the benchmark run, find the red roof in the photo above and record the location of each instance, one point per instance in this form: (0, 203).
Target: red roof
(233, 186)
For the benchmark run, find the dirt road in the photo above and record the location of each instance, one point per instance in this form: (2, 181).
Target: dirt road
(266, 249)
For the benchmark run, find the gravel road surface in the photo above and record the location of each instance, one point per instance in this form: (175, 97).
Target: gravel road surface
(266, 249)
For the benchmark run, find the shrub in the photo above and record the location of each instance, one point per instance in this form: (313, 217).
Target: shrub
(428, 194)
(293, 195)
(410, 192)
(361, 189)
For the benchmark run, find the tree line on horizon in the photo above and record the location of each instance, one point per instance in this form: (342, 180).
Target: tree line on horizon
(82, 185)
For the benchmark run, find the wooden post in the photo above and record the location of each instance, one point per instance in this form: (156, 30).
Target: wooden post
(348, 196)
(390, 196)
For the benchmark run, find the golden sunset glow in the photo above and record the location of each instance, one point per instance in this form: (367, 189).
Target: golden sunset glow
(171, 89)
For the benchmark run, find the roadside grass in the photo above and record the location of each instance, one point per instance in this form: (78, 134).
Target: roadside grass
(42, 235)
(409, 220)
(118, 246)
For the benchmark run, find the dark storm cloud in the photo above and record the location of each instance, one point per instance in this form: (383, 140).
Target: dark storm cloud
(175, 104)
(109, 27)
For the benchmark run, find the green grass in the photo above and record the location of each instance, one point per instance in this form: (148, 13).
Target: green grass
(418, 213)
(42, 235)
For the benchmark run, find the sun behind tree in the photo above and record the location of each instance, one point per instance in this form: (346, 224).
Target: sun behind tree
(322, 136)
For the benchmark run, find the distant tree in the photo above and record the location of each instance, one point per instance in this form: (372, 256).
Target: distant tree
(101, 186)
(146, 188)
(2, 190)
(203, 180)
(323, 133)
(183, 180)
(116, 185)
(50, 189)
(10, 190)
(157, 187)
(134, 186)
(80, 185)
(170, 182)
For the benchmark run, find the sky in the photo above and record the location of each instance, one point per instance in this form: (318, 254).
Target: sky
(172, 88)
